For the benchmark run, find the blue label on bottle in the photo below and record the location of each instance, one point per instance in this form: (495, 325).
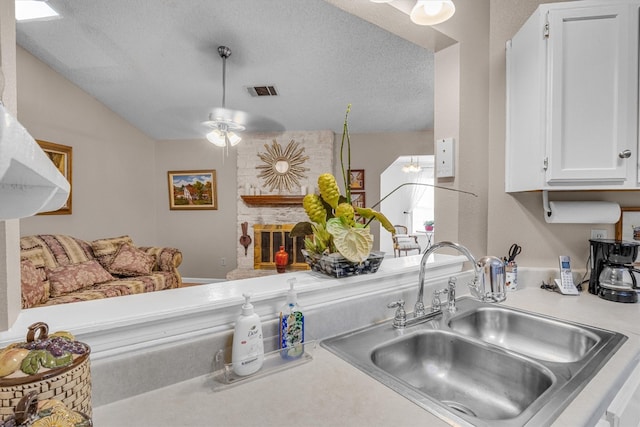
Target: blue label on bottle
(292, 333)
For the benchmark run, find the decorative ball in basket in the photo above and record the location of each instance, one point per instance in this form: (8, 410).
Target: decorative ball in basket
(53, 366)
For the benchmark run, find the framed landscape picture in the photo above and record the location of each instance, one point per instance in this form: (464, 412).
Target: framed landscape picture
(192, 190)
(61, 156)
(356, 179)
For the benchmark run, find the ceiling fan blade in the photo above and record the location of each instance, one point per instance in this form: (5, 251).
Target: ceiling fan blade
(252, 122)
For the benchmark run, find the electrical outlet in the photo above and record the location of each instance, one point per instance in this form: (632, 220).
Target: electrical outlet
(223, 261)
(598, 234)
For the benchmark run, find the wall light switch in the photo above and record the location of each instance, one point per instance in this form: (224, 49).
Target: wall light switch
(444, 158)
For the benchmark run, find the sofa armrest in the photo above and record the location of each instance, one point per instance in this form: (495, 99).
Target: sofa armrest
(167, 259)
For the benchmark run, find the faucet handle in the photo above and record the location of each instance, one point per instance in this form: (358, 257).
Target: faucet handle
(400, 318)
(436, 302)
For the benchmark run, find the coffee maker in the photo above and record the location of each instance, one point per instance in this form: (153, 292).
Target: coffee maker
(612, 274)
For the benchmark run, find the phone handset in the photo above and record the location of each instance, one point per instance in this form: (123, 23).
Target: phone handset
(565, 283)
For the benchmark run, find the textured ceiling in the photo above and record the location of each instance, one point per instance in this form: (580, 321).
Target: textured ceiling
(155, 62)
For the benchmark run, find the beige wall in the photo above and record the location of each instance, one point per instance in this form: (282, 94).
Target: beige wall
(203, 236)
(470, 27)
(447, 121)
(112, 160)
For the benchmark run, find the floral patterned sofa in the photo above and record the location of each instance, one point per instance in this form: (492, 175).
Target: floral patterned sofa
(58, 269)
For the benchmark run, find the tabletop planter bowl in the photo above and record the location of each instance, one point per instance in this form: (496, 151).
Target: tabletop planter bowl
(335, 265)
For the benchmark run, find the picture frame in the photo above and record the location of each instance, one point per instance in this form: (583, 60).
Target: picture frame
(192, 190)
(628, 227)
(62, 158)
(358, 200)
(356, 179)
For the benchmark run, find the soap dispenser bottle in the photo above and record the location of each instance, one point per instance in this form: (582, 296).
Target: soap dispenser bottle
(291, 325)
(247, 353)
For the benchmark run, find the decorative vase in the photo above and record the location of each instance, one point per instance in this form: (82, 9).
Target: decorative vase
(428, 227)
(335, 265)
(282, 259)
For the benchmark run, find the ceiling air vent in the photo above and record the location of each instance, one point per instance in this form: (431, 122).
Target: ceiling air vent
(262, 90)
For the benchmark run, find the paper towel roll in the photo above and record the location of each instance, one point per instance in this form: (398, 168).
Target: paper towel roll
(583, 213)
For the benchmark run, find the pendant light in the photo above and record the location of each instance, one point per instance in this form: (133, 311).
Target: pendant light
(223, 128)
(432, 12)
(412, 167)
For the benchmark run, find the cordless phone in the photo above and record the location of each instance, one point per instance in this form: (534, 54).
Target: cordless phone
(565, 284)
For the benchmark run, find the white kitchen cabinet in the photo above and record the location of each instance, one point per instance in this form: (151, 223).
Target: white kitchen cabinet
(572, 98)
(624, 410)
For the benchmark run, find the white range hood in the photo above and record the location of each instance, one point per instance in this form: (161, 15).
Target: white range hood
(29, 181)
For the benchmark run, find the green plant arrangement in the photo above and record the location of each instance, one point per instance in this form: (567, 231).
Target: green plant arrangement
(333, 227)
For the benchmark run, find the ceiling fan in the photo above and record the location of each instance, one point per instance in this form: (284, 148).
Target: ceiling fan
(225, 123)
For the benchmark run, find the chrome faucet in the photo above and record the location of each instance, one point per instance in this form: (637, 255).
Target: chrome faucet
(419, 310)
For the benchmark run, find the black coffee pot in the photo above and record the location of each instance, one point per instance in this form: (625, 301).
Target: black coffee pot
(612, 274)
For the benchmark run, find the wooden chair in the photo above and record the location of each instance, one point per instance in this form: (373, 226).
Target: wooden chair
(402, 241)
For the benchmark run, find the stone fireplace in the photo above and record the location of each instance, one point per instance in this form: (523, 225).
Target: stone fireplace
(271, 216)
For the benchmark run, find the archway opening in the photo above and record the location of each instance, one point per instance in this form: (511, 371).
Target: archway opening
(411, 205)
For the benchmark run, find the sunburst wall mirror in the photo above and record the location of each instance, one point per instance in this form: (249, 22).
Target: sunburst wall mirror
(283, 168)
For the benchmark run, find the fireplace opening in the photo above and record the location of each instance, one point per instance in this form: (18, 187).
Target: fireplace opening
(268, 238)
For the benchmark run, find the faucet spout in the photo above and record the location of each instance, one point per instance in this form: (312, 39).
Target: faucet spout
(419, 307)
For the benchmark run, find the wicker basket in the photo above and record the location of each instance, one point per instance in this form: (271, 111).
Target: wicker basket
(28, 412)
(69, 384)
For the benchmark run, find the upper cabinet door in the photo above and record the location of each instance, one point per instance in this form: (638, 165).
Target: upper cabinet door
(592, 95)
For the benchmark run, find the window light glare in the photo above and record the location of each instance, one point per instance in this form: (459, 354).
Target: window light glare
(27, 10)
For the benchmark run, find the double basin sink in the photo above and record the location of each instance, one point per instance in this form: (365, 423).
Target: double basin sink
(485, 364)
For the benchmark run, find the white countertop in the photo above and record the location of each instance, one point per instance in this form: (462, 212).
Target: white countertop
(329, 391)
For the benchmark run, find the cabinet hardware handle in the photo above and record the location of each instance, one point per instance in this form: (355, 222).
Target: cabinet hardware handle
(624, 154)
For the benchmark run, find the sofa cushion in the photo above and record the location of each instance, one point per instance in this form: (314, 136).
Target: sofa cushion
(69, 278)
(105, 249)
(35, 255)
(34, 290)
(59, 249)
(131, 261)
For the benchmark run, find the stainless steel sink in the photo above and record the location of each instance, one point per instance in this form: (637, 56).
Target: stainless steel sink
(486, 365)
(463, 374)
(529, 334)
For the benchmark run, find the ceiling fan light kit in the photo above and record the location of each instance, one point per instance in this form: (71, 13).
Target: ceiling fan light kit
(432, 12)
(221, 138)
